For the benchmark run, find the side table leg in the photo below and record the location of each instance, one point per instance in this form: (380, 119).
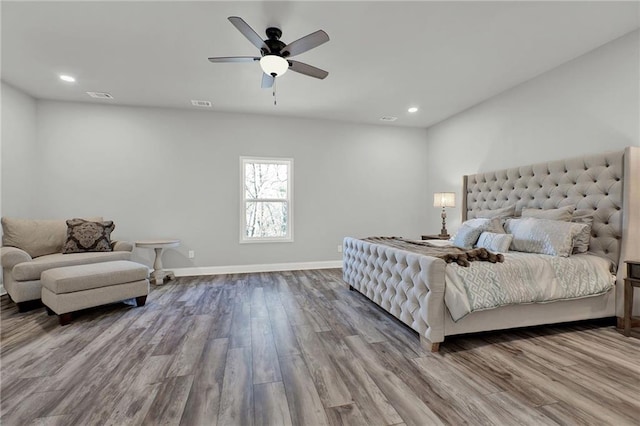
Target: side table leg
(628, 307)
(157, 276)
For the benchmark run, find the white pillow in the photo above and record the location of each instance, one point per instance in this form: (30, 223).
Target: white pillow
(491, 225)
(467, 235)
(495, 242)
(553, 237)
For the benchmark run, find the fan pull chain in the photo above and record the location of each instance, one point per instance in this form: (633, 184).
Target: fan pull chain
(275, 99)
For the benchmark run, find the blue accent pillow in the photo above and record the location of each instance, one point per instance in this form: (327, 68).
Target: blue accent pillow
(467, 235)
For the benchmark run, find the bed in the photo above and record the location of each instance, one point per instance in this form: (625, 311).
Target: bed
(412, 286)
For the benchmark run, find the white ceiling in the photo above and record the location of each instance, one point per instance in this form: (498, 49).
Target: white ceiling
(382, 57)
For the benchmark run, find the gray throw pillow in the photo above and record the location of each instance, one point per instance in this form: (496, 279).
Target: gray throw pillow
(563, 213)
(583, 239)
(502, 213)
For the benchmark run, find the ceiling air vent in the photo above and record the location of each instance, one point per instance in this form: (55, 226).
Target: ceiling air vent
(204, 104)
(388, 118)
(100, 95)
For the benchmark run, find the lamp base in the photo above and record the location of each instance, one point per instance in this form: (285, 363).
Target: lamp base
(443, 231)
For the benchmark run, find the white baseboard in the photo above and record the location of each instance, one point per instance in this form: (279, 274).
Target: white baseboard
(241, 269)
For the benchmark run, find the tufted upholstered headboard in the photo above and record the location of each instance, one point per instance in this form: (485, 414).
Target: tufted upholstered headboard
(591, 182)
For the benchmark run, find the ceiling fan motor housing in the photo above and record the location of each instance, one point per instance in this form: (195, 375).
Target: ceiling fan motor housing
(273, 41)
(273, 33)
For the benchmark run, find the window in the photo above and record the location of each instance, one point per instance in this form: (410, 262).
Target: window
(266, 201)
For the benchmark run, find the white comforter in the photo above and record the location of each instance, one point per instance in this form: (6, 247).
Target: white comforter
(524, 278)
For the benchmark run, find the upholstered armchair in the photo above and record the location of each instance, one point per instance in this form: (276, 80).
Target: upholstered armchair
(30, 247)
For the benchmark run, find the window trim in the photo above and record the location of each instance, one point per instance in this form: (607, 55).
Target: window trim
(289, 200)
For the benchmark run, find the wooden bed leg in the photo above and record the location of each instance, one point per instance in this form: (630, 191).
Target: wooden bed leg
(635, 322)
(429, 345)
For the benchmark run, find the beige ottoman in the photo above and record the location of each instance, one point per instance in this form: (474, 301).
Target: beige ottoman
(72, 288)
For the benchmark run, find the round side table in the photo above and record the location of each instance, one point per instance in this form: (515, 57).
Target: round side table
(158, 275)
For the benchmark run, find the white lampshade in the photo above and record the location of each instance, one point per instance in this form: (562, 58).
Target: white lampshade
(444, 199)
(273, 64)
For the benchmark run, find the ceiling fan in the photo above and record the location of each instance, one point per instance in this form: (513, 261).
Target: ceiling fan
(274, 54)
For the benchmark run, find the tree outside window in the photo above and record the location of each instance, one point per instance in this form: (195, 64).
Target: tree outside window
(266, 199)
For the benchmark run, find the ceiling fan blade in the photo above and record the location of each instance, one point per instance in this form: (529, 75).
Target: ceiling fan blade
(305, 43)
(235, 59)
(249, 33)
(267, 81)
(307, 69)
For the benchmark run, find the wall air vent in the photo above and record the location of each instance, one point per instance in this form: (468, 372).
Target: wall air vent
(100, 95)
(204, 104)
(387, 118)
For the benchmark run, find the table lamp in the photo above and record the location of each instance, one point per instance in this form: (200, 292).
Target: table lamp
(444, 199)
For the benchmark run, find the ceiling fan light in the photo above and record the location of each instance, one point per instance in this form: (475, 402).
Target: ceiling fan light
(273, 64)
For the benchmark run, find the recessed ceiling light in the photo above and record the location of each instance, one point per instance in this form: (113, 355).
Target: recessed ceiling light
(67, 78)
(388, 118)
(413, 109)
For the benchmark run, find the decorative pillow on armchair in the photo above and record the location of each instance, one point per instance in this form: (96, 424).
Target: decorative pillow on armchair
(86, 236)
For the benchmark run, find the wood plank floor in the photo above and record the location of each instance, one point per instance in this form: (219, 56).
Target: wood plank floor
(299, 348)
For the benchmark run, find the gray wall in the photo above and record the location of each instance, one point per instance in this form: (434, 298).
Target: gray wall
(19, 155)
(588, 105)
(175, 173)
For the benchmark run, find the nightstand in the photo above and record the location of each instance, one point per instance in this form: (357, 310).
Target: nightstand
(632, 281)
(435, 237)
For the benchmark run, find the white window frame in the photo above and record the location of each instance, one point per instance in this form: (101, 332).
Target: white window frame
(288, 238)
